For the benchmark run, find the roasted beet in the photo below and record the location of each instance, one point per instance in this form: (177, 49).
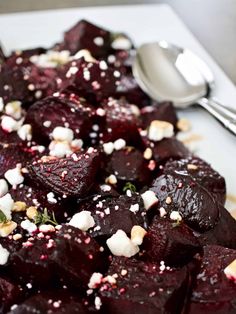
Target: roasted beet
(174, 243)
(63, 110)
(26, 82)
(31, 263)
(70, 176)
(113, 213)
(56, 301)
(201, 172)
(144, 288)
(85, 35)
(121, 122)
(163, 111)
(128, 165)
(10, 293)
(213, 292)
(11, 155)
(169, 148)
(76, 256)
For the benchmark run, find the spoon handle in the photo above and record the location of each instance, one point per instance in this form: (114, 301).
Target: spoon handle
(223, 114)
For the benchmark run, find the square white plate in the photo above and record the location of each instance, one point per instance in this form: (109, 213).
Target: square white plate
(143, 24)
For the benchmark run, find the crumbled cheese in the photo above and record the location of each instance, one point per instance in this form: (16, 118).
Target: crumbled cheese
(149, 199)
(95, 280)
(159, 130)
(135, 110)
(147, 153)
(97, 303)
(230, 271)
(25, 132)
(119, 144)
(9, 124)
(120, 245)
(105, 187)
(46, 228)
(76, 144)
(7, 228)
(51, 198)
(4, 255)
(14, 176)
(47, 124)
(103, 65)
(175, 215)
(111, 179)
(84, 53)
(134, 208)
(99, 41)
(137, 235)
(3, 187)
(14, 109)
(59, 149)
(29, 226)
(82, 220)
(121, 43)
(162, 212)
(6, 205)
(62, 134)
(51, 58)
(108, 148)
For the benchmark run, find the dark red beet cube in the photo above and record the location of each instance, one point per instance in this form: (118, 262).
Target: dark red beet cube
(163, 111)
(113, 213)
(76, 256)
(144, 288)
(128, 165)
(201, 172)
(62, 110)
(70, 176)
(213, 292)
(85, 35)
(175, 244)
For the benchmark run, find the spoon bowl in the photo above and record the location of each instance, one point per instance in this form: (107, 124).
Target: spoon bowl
(168, 72)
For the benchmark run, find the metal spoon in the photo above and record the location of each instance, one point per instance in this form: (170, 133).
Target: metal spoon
(168, 72)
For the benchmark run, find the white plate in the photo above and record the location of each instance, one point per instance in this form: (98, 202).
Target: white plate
(143, 24)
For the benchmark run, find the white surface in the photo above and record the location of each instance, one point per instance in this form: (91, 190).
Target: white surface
(143, 24)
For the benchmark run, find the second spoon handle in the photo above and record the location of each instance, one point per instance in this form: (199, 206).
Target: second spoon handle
(226, 116)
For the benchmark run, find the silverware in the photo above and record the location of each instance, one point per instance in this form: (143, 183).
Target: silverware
(168, 72)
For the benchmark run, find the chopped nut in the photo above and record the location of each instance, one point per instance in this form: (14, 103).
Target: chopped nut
(160, 129)
(31, 212)
(19, 207)
(230, 271)
(17, 236)
(147, 153)
(137, 235)
(7, 228)
(111, 179)
(192, 167)
(168, 200)
(184, 125)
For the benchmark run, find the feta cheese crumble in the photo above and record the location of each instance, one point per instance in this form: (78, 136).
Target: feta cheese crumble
(14, 176)
(159, 130)
(82, 220)
(4, 255)
(6, 205)
(149, 199)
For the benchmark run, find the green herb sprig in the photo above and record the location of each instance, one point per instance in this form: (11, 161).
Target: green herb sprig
(3, 218)
(44, 217)
(129, 186)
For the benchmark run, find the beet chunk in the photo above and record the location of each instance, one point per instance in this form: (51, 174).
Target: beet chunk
(175, 244)
(11, 155)
(60, 111)
(129, 165)
(163, 111)
(77, 256)
(213, 292)
(121, 122)
(56, 301)
(10, 293)
(31, 263)
(112, 214)
(71, 176)
(201, 172)
(85, 35)
(199, 210)
(169, 148)
(144, 289)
